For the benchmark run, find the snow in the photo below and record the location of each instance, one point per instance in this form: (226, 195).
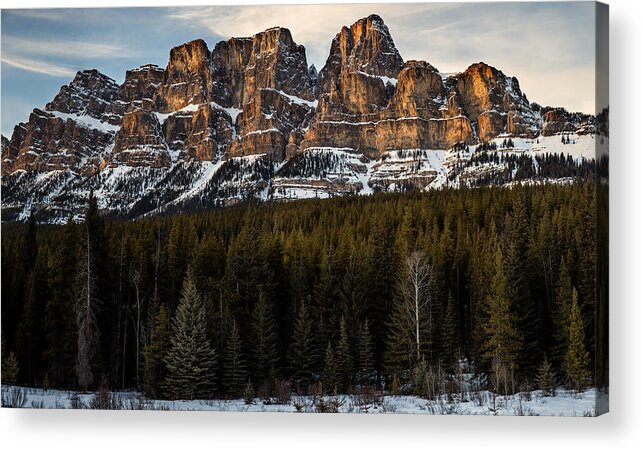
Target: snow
(87, 121)
(383, 78)
(231, 111)
(269, 130)
(399, 119)
(162, 117)
(564, 403)
(582, 146)
(209, 169)
(295, 99)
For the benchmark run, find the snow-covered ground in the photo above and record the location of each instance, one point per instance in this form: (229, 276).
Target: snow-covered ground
(564, 403)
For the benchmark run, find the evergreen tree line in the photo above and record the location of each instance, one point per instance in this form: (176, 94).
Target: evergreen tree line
(392, 291)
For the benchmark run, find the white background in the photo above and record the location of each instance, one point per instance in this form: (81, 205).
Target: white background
(621, 428)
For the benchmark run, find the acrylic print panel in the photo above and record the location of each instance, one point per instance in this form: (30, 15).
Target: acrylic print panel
(378, 208)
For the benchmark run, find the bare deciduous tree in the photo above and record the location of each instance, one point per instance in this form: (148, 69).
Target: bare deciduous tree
(416, 298)
(135, 277)
(85, 319)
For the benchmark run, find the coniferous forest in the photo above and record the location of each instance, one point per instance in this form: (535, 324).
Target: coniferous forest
(398, 292)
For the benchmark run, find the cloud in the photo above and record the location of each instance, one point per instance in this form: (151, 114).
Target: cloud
(63, 48)
(38, 66)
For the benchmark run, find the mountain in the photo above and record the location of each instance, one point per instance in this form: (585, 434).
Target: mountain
(251, 118)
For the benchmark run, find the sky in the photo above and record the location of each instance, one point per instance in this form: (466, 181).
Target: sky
(549, 47)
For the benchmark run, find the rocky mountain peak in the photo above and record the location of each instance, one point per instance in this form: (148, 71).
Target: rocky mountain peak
(495, 102)
(187, 77)
(367, 46)
(364, 49)
(89, 93)
(252, 118)
(268, 60)
(141, 86)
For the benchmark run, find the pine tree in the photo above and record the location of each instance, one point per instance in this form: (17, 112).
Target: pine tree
(576, 362)
(561, 315)
(330, 378)
(450, 335)
(191, 361)
(303, 352)
(546, 378)
(263, 342)
(366, 354)
(345, 365)
(59, 322)
(10, 369)
(234, 372)
(502, 340)
(523, 304)
(156, 351)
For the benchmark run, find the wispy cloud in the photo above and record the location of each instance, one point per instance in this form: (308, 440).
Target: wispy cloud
(38, 66)
(63, 48)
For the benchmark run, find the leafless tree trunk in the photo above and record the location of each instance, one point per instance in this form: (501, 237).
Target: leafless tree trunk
(85, 320)
(135, 278)
(416, 295)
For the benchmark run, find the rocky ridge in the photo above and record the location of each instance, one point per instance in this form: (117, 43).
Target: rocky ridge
(250, 118)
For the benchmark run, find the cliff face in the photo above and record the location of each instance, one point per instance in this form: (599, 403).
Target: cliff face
(140, 141)
(90, 93)
(251, 117)
(369, 100)
(495, 102)
(56, 141)
(187, 77)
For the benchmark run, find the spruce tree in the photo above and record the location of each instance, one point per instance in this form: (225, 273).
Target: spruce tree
(303, 352)
(546, 378)
(263, 342)
(234, 371)
(10, 369)
(191, 361)
(450, 335)
(502, 340)
(156, 351)
(59, 321)
(345, 365)
(366, 354)
(576, 362)
(561, 315)
(330, 378)
(517, 271)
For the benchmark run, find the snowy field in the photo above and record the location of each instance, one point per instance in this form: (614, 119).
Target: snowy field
(564, 403)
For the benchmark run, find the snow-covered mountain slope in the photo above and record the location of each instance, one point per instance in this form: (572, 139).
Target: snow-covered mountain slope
(250, 119)
(130, 192)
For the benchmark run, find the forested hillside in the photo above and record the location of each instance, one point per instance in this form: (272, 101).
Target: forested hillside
(390, 291)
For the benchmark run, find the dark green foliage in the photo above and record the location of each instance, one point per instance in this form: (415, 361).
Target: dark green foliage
(156, 351)
(366, 355)
(191, 361)
(450, 335)
(561, 315)
(10, 369)
(330, 378)
(344, 359)
(234, 375)
(546, 378)
(263, 340)
(286, 274)
(303, 354)
(59, 320)
(576, 362)
(502, 339)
